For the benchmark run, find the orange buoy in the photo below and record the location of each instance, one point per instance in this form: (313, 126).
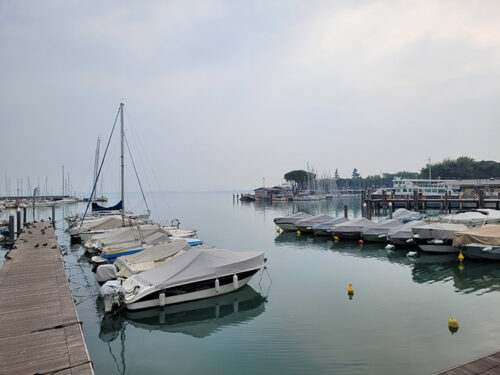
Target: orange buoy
(361, 242)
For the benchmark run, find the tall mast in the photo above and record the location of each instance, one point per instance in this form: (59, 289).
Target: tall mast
(63, 180)
(96, 164)
(122, 158)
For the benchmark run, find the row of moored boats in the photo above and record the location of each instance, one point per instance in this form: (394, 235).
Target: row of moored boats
(475, 233)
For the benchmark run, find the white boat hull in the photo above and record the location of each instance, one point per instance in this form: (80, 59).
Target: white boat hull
(206, 293)
(287, 226)
(438, 248)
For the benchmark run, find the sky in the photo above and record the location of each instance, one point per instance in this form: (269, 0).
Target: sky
(219, 94)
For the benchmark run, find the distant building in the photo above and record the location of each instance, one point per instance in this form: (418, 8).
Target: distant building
(275, 192)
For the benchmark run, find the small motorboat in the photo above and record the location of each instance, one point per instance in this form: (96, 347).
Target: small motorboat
(351, 229)
(305, 225)
(437, 237)
(288, 222)
(479, 243)
(193, 275)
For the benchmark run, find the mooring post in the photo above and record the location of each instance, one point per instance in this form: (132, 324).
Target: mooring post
(390, 210)
(364, 209)
(481, 199)
(384, 200)
(24, 216)
(54, 216)
(345, 211)
(415, 200)
(11, 227)
(18, 221)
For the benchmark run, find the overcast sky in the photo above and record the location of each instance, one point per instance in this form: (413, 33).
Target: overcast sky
(220, 94)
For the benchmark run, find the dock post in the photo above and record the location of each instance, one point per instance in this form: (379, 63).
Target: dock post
(365, 209)
(54, 216)
(415, 200)
(18, 221)
(24, 216)
(11, 227)
(363, 196)
(390, 210)
(384, 200)
(481, 199)
(345, 211)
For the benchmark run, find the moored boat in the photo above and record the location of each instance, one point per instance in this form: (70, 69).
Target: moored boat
(288, 222)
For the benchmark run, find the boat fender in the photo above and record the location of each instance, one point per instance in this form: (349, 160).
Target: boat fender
(298, 233)
(162, 299)
(335, 238)
(486, 249)
(381, 235)
(361, 242)
(217, 285)
(389, 247)
(235, 282)
(278, 230)
(410, 240)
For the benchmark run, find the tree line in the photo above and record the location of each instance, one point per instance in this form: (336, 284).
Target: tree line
(463, 167)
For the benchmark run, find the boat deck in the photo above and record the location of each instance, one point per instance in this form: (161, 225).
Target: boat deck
(40, 332)
(488, 365)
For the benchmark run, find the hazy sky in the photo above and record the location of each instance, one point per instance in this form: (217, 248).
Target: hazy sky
(220, 94)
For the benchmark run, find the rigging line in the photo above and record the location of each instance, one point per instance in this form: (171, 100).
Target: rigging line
(100, 167)
(137, 175)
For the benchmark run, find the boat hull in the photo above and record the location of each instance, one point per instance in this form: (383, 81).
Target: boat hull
(429, 248)
(201, 294)
(374, 238)
(287, 226)
(348, 235)
(476, 252)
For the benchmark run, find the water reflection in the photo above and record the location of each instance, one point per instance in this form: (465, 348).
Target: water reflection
(197, 319)
(470, 277)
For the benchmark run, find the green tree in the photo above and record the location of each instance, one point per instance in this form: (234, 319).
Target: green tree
(299, 178)
(355, 173)
(337, 174)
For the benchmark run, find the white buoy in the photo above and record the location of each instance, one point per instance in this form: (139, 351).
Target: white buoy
(411, 253)
(389, 247)
(235, 282)
(217, 286)
(162, 299)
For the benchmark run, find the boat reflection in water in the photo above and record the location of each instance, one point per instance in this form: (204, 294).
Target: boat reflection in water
(471, 276)
(198, 319)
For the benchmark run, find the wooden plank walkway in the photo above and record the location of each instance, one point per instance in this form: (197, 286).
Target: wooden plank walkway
(488, 365)
(40, 332)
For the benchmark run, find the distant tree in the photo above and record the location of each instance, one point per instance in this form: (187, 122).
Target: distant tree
(462, 167)
(337, 174)
(299, 178)
(355, 173)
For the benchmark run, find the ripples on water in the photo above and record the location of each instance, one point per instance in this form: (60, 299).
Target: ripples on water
(303, 320)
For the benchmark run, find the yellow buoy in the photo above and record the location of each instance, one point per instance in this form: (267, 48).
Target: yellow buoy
(335, 238)
(461, 266)
(278, 230)
(460, 257)
(298, 233)
(350, 289)
(453, 325)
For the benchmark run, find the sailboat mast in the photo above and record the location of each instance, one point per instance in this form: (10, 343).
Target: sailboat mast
(96, 164)
(122, 159)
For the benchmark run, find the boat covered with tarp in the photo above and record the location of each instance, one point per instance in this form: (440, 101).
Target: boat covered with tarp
(351, 229)
(437, 237)
(405, 215)
(288, 222)
(305, 225)
(195, 274)
(150, 258)
(378, 231)
(476, 217)
(479, 243)
(403, 235)
(325, 228)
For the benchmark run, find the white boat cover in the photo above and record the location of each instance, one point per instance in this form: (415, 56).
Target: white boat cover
(442, 231)
(105, 272)
(329, 224)
(405, 232)
(150, 258)
(153, 238)
(482, 216)
(307, 222)
(382, 227)
(292, 218)
(486, 235)
(352, 226)
(126, 234)
(198, 265)
(403, 213)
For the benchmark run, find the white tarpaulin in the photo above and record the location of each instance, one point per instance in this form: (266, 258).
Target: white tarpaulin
(403, 213)
(127, 234)
(197, 265)
(442, 231)
(382, 227)
(405, 232)
(329, 224)
(352, 226)
(304, 223)
(291, 219)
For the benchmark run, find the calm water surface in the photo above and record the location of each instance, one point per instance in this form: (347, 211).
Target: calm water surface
(297, 318)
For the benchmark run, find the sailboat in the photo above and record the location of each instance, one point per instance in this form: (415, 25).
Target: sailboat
(97, 225)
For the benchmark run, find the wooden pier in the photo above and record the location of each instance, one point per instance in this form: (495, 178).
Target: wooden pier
(488, 365)
(40, 332)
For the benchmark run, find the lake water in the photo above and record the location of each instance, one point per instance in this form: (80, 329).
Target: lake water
(295, 318)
